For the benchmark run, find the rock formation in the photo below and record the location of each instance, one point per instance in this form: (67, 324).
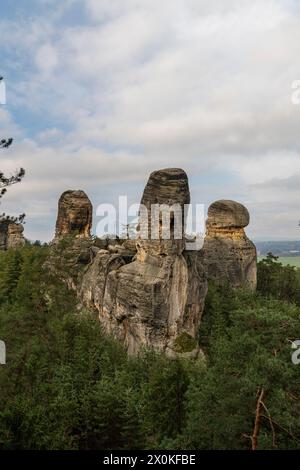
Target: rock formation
(167, 188)
(74, 215)
(150, 292)
(11, 235)
(3, 236)
(156, 299)
(15, 238)
(230, 257)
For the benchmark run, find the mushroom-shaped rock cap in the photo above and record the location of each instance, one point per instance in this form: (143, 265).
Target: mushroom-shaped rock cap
(74, 214)
(227, 214)
(168, 186)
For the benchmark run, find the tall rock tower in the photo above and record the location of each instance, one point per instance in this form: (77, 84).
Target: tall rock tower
(74, 216)
(157, 298)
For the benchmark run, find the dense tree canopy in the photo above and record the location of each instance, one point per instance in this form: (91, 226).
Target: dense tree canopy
(278, 281)
(68, 386)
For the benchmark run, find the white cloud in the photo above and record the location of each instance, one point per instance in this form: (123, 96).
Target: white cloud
(46, 59)
(142, 85)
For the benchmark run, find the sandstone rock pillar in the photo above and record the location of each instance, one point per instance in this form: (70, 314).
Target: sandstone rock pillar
(230, 257)
(74, 215)
(157, 300)
(15, 238)
(11, 235)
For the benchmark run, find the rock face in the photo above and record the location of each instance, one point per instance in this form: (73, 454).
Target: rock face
(11, 236)
(15, 237)
(230, 257)
(74, 215)
(153, 297)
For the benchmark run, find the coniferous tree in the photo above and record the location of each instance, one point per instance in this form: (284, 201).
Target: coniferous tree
(278, 281)
(10, 275)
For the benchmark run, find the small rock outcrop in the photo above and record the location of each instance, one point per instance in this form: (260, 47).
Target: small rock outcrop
(11, 235)
(15, 238)
(75, 214)
(229, 255)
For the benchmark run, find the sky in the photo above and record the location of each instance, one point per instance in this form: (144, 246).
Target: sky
(102, 92)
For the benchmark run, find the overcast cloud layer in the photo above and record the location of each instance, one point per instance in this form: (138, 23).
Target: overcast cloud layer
(101, 92)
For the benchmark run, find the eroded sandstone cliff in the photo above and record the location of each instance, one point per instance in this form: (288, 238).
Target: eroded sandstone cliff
(151, 297)
(150, 292)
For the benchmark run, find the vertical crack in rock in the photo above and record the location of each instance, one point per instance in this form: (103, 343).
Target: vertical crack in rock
(230, 257)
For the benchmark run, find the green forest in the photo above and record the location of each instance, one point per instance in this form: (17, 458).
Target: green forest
(67, 386)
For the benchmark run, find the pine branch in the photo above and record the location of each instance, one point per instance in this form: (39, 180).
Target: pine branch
(5, 143)
(14, 179)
